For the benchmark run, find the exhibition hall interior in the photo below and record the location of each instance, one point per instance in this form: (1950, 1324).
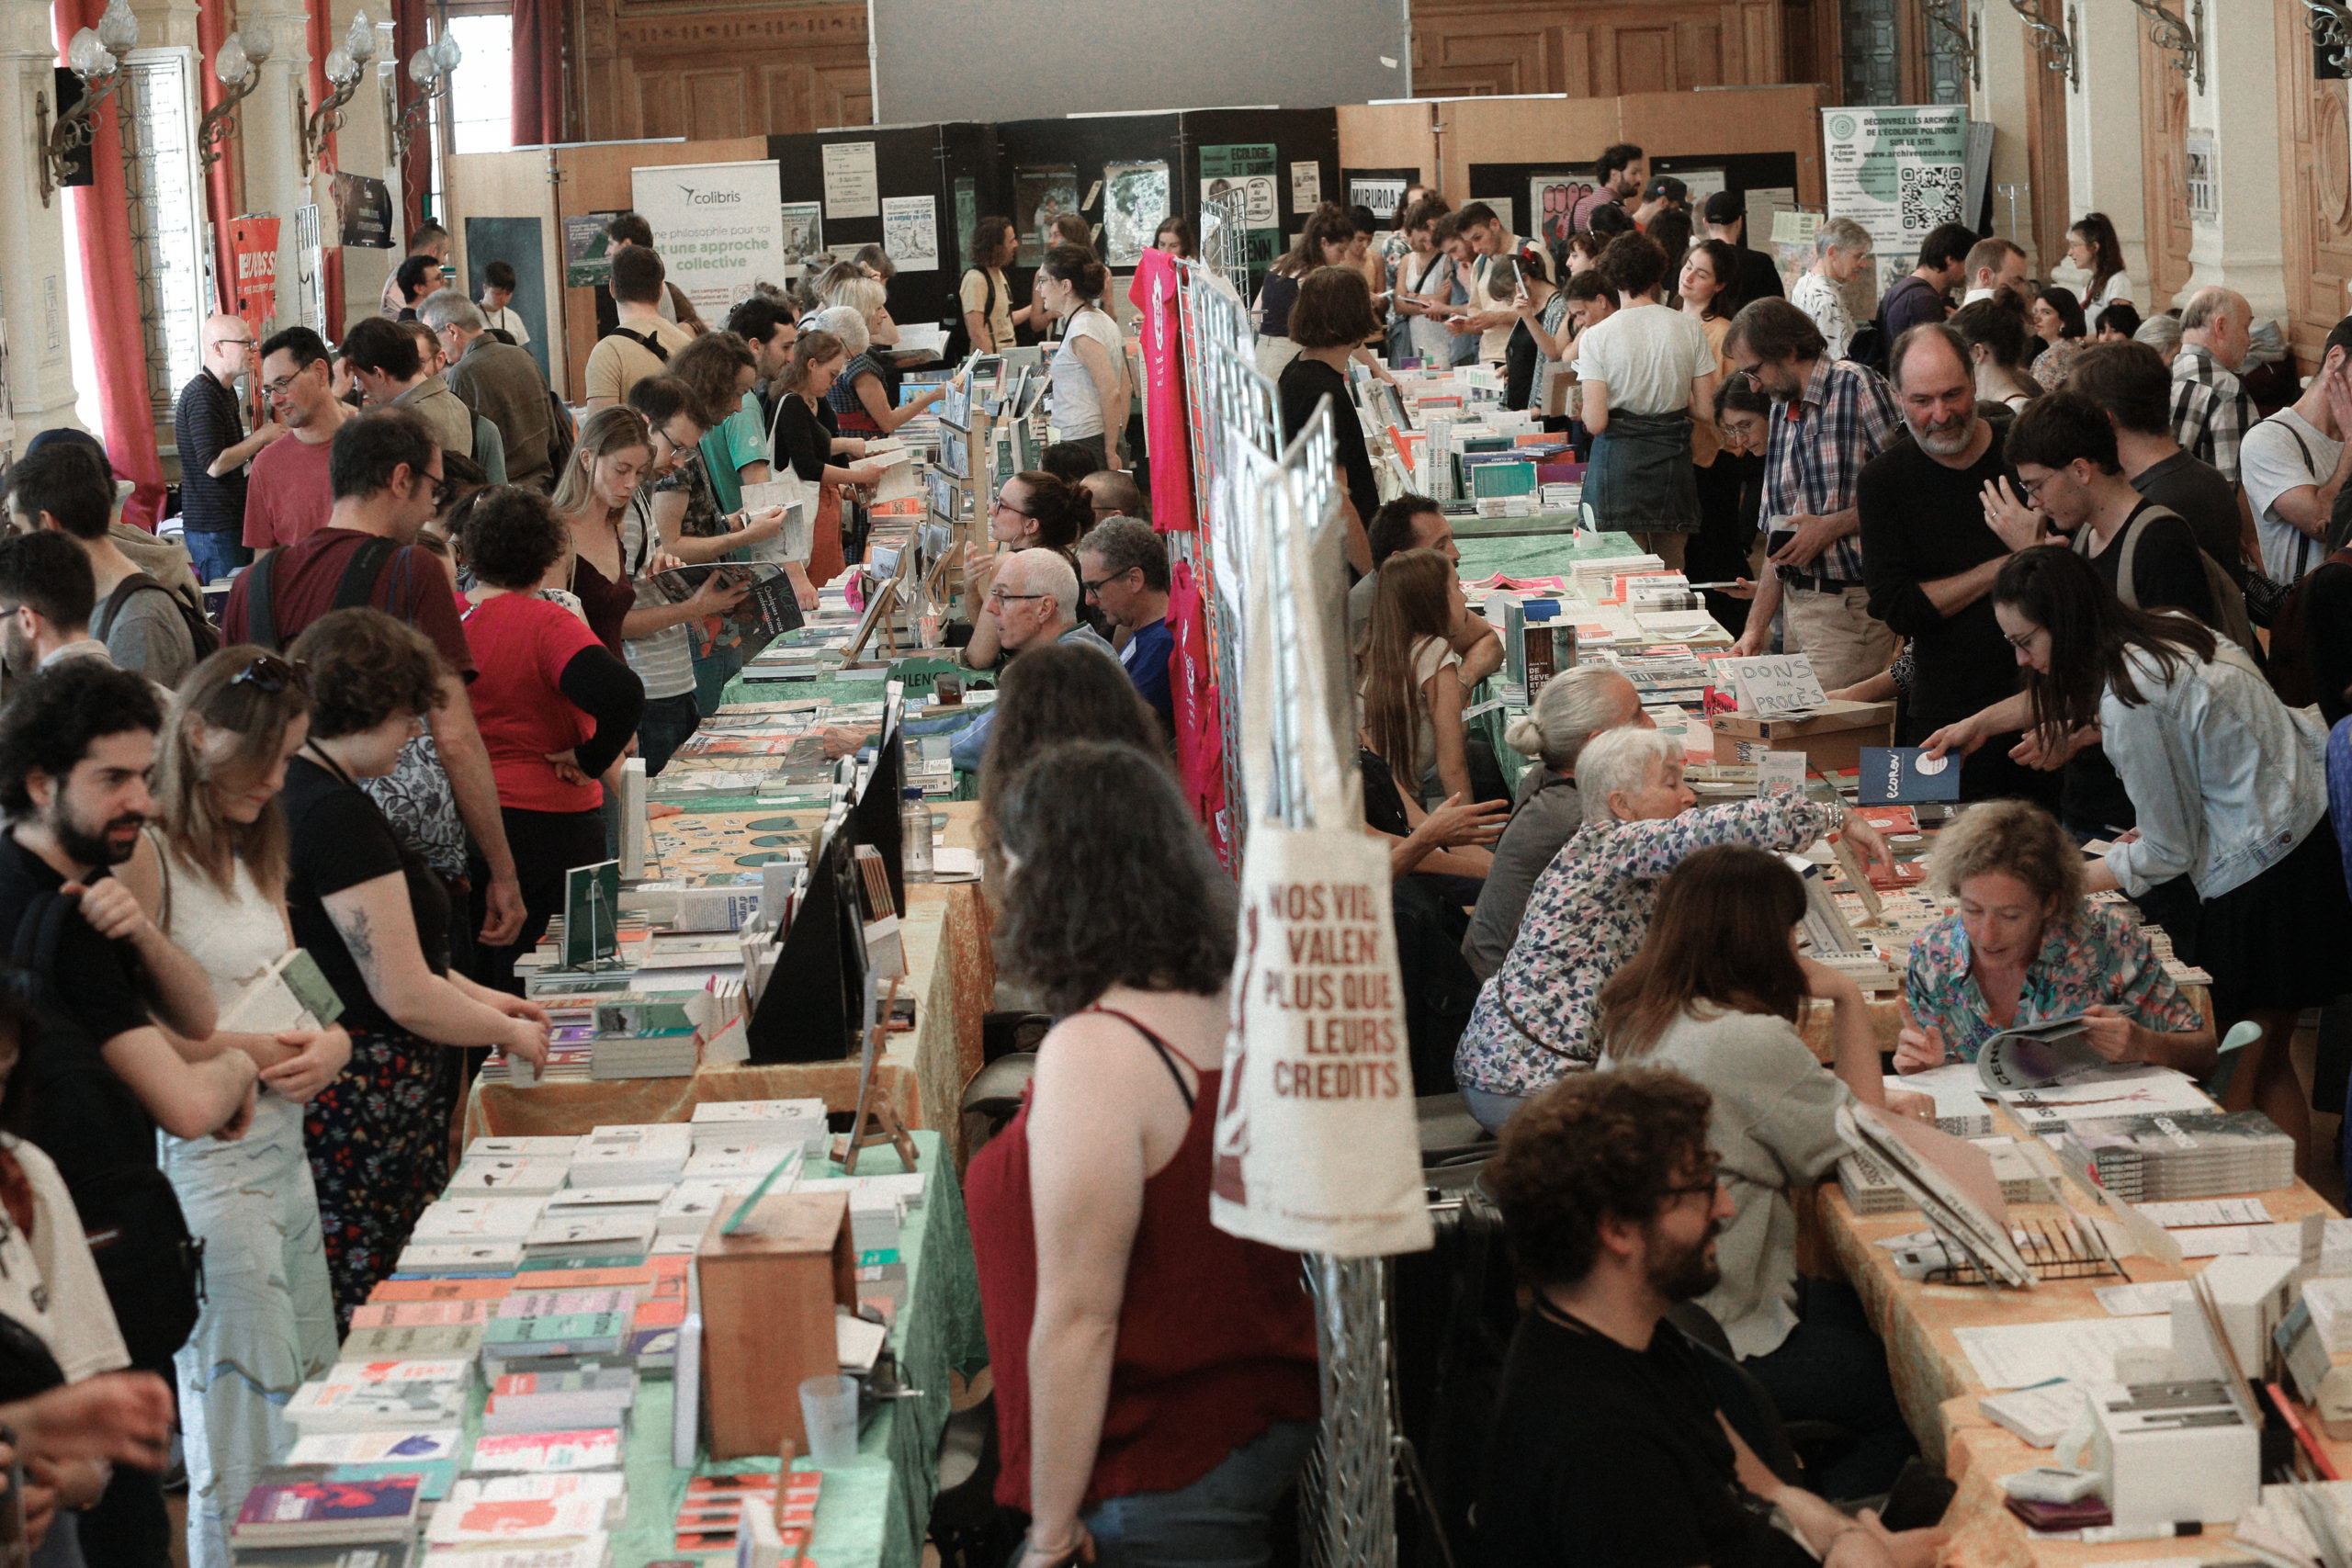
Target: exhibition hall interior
(1394, 784)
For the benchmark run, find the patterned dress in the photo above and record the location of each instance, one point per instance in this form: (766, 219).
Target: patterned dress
(2098, 959)
(379, 1139)
(1591, 907)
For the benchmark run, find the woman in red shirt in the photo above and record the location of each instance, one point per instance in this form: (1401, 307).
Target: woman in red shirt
(1155, 1377)
(555, 707)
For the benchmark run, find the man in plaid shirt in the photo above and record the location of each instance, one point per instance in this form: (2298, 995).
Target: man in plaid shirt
(2210, 412)
(1839, 416)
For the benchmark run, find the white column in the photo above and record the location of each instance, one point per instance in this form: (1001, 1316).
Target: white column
(2000, 101)
(2103, 131)
(32, 256)
(269, 126)
(2242, 245)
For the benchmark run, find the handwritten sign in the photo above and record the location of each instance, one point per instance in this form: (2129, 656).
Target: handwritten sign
(1780, 683)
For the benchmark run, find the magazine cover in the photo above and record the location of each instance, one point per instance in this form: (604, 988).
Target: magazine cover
(734, 639)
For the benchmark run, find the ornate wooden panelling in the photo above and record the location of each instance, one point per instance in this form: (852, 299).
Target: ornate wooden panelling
(701, 70)
(2315, 171)
(2163, 125)
(1593, 48)
(2045, 141)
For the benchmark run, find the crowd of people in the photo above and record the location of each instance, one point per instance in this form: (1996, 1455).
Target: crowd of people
(2049, 522)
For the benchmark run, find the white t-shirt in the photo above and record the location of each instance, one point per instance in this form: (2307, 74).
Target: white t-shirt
(51, 1283)
(1648, 356)
(2280, 453)
(1818, 297)
(504, 319)
(1494, 344)
(2095, 305)
(1430, 654)
(1077, 405)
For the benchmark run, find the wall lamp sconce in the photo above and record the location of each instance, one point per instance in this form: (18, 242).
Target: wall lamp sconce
(429, 68)
(238, 64)
(2057, 48)
(2174, 35)
(95, 56)
(343, 68)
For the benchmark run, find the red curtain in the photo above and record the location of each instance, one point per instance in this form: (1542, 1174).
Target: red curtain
(416, 169)
(323, 37)
(101, 225)
(220, 181)
(538, 72)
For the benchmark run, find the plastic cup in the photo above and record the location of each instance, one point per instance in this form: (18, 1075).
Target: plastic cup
(829, 1408)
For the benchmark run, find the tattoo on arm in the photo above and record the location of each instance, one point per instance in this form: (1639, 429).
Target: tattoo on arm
(353, 927)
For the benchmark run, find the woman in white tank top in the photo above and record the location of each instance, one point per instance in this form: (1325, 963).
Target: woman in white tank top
(210, 872)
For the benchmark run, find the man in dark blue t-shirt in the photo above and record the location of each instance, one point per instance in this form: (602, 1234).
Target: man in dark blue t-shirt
(1123, 567)
(214, 450)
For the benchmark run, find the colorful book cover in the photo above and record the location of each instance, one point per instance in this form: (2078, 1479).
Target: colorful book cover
(322, 1510)
(597, 1448)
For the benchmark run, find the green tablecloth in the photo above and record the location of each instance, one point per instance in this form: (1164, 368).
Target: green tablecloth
(1553, 522)
(917, 671)
(1553, 555)
(875, 1513)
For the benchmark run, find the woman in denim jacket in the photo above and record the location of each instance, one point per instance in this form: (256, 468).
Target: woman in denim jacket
(2235, 854)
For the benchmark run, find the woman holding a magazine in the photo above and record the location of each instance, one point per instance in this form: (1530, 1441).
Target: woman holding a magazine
(808, 439)
(211, 872)
(2235, 854)
(2023, 948)
(1714, 994)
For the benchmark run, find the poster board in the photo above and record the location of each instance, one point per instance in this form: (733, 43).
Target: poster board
(1898, 171)
(720, 227)
(521, 244)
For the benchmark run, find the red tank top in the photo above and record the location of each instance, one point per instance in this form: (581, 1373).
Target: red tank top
(1216, 1337)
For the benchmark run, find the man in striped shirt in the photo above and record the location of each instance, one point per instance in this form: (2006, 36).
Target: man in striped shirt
(2210, 412)
(1838, 416)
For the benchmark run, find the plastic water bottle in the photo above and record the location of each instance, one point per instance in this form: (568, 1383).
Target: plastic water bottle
(914, 855)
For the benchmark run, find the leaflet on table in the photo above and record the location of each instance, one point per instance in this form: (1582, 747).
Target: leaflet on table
(2012, 1355)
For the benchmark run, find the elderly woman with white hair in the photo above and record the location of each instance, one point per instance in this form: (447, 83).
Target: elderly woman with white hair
(2161, 332)
(1534, 1021)
(861, 395)
(1570, 710)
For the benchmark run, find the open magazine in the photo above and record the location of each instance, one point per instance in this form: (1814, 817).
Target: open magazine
(1951, 1180)
(799, 535)
(765, 614)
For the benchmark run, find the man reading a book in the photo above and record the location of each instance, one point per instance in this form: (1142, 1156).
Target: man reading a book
(1608, 1450)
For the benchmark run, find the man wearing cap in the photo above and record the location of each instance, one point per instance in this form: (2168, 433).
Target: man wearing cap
(1726, 216)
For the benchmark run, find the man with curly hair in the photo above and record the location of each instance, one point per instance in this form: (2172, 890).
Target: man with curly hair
(1608, 1450)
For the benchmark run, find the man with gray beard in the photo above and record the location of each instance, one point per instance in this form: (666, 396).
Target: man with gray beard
(1933, 541)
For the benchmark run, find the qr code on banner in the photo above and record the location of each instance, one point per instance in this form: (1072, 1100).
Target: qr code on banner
(1932, 195)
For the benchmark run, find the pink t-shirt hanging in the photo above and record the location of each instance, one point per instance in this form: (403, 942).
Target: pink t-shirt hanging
(1159, 320)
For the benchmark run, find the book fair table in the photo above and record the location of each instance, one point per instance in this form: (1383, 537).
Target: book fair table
(951, 974)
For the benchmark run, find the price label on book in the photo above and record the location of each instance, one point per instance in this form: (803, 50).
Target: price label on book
(1780, 683)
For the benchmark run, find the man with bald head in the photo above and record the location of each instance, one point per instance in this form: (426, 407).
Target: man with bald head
(1931, 548)
(209, 429)
(2210, 412)
(1035, 597)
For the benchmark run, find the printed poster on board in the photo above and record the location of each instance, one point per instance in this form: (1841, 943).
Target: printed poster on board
(363, 211)
(1898, 172)
(911, 231)
(253, 251)
(720, 227)
(1134, 210)
(804, 231)
(587, 249)
(1248, 167)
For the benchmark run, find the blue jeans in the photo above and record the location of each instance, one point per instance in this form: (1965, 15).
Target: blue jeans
(216, 554)
(1832, 1368)
(666, 724)
(1219, 1521)
(1491, 1111)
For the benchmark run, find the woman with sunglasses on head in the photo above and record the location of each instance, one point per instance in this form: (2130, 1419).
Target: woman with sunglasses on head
(2235, 854)
(555, 709)
(1714, 993)
(211, 872)
(1032, 511)
(809, 438)
(378, 924)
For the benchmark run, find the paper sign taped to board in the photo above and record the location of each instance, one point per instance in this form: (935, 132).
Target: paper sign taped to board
(852, 190)
(1778, 682)
(1314, 1149)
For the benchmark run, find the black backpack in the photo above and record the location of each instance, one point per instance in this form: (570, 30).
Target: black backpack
(201, 629)
(959, 346)
(81, 1115)
(352, 589)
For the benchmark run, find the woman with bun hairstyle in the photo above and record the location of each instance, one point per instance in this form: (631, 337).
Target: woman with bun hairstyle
(1089, 385)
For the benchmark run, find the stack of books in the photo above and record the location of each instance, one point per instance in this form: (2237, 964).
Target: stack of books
(594, 1395)
(2168, 1155)
(1871, 1188)
(534, 1325)
(286, 1510)
(541, 1512)
(383, 1396)
(623, 1155)
(773, 1121)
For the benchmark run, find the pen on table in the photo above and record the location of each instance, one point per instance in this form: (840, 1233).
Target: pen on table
(2099, 1535)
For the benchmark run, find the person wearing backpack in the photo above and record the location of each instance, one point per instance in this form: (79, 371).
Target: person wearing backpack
(2062, 447)
(146, 627)
(1920, 295)
(76, 744)
(985, 316)
(644, 340)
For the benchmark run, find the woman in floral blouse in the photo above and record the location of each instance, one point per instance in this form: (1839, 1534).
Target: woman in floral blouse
(2023, 948)
(1590, 909)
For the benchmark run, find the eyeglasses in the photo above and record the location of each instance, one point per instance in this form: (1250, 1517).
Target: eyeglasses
(1000, 504)
(1094, 588)
(2021, 641)
(232, 342)
(2031, 489)
(999, 596)
(281, 387)
(1708, 1187)
(272, 674)
(445, 490)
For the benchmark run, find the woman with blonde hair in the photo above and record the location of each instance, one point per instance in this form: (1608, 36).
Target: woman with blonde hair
(608, 462)
(809, 436)
(211, 872)
(1412, 684)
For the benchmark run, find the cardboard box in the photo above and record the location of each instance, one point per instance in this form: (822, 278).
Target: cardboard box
(1831, 736)
(768, 1293)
